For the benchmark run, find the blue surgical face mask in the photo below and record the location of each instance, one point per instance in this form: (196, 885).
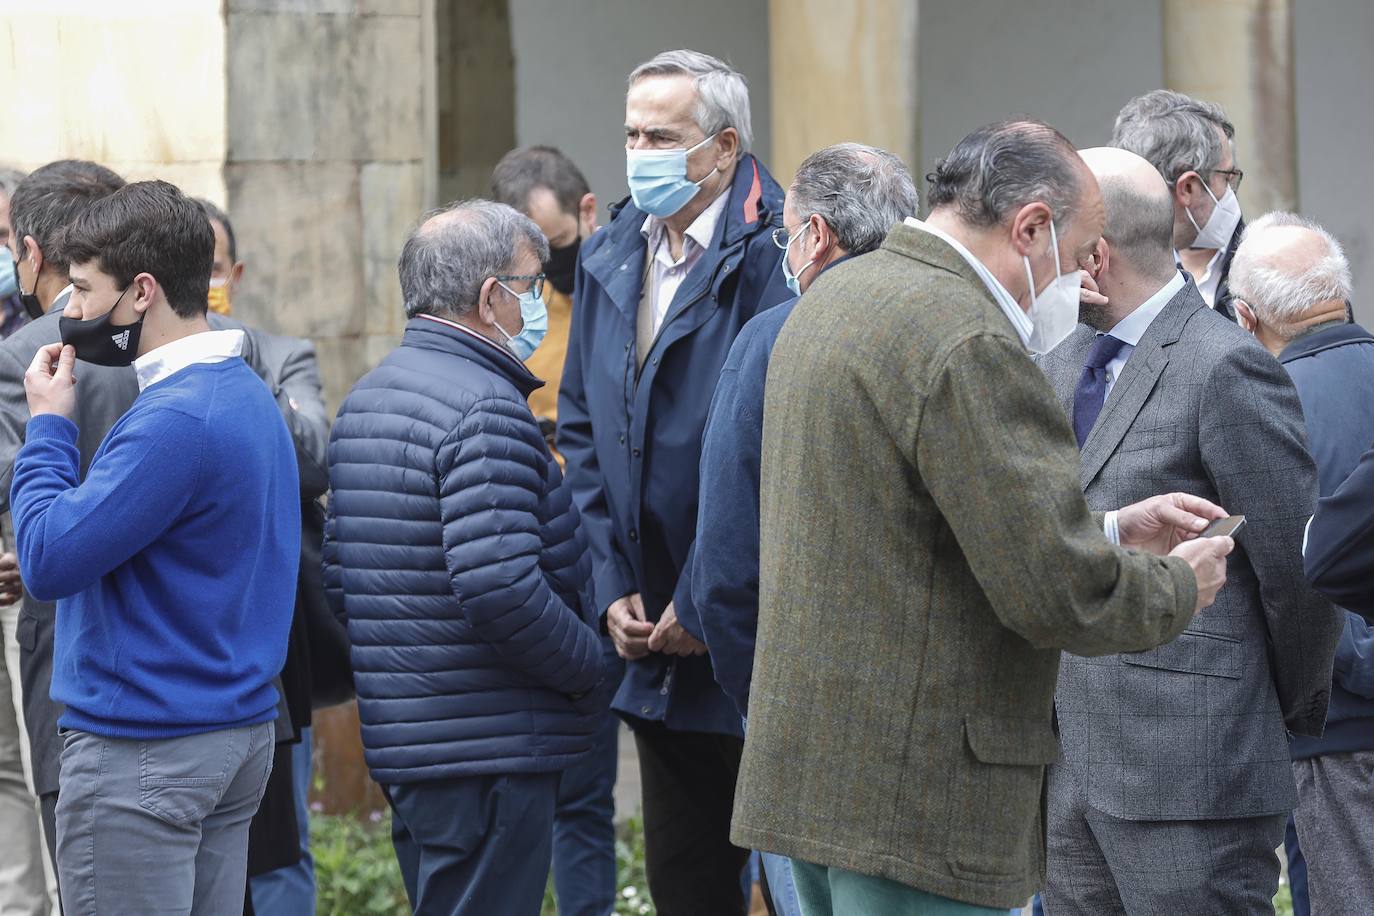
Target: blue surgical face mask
(9, 278)
(658, 178)
(535, 316)
(794, 280)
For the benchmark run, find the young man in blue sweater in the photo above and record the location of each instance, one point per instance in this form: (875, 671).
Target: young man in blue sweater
(173, 565)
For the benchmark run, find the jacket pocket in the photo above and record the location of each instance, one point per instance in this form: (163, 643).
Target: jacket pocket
(1139, 439)
(997, 835)
(1192, 652)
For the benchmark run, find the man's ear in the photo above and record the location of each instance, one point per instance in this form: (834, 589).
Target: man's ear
(727, 146)
(1245, 315)
(144, 292)
(1100, 259)
(586, 214)
(1030, 229)
(235, 275)
(1186, 187)
(485, 311)
(29, 251)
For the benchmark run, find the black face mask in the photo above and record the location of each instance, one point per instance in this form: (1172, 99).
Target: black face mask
(561, 265)
(29, 300)
(100, 341)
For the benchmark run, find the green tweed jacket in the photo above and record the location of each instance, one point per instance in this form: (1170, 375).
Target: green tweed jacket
(926, 553)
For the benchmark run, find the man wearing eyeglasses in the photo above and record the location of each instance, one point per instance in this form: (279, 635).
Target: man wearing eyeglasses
(1192, 144)
(455, 554)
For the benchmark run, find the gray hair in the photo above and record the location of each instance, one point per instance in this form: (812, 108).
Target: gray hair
(1001, 167)
(456, 248)
(860, 191)
(1281, 294)
(9, 180)
(1174, 132)
(722, 95)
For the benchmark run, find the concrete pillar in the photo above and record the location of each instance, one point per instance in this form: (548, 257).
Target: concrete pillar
(1239, 54)
(842, 71)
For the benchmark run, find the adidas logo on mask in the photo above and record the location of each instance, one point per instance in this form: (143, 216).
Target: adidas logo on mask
(121, 340)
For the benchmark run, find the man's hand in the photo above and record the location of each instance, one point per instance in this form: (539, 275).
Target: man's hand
(11, 587)
(1207, 556)
(1161, 523)
(1087, 290)
(49, 382)
(671, 639)
(629, 630)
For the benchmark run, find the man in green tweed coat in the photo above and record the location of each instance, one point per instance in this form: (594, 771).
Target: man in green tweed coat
(927, 552)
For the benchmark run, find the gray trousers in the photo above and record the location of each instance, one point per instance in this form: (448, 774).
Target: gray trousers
(1335, 821)
(159, 826)
(1105, 866)
(23, 869)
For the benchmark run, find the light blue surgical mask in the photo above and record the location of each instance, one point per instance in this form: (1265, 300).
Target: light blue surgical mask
(794, 280)
(658, 178)
(9, 278)
(535, 316)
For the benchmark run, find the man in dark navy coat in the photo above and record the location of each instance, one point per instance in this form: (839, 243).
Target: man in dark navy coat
(456, 555)
(661, 293)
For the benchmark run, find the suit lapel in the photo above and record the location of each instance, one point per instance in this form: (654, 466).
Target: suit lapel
(1138, 379)
(1064, 365)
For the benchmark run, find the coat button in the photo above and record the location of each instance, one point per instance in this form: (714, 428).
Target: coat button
(635, 452)
(622, 438)
(627, 348)
(634, 535)
(655, 360)
(646, 710)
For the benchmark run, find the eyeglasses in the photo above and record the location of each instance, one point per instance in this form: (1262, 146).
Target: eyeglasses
(782, 238)
(1233, 176)
(536, 281)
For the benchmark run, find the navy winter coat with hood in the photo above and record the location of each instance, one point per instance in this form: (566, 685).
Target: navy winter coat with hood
(455, 554)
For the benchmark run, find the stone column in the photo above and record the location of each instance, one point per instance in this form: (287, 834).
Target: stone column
(842, 71)
(1239, 54)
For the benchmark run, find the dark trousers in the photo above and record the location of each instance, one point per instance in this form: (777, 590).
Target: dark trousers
(474, 846)
(584, 828)
(688, 780)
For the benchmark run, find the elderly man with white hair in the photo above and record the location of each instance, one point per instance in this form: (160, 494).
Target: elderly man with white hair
(1292, 286)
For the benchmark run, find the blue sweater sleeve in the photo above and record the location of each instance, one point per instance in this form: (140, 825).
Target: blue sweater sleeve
(70, 533)
(725, 569)
(1339, 555)
(1354, 664)
(490, 480)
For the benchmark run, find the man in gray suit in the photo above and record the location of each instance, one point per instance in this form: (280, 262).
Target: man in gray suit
(43, 204)
(1175, 783)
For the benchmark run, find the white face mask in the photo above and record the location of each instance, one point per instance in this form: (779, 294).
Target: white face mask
(1053, 313)
(1221, 225)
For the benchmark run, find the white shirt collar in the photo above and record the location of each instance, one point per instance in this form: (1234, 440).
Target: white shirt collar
(700, 232)
(1130, 329)
(1015, 314)
(170, 358)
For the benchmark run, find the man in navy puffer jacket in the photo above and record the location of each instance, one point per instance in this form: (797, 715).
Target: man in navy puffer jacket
(455, 554)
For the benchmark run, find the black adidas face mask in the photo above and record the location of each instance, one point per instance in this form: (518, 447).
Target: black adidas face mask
(100, 340)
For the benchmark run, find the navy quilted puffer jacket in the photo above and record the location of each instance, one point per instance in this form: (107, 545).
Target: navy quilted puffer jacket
(455, 554)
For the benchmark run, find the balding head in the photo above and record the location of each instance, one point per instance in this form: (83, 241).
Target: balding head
(1140, 215)
(1290, 274)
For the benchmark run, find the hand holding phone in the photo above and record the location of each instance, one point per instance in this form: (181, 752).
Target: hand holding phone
(1224, 527)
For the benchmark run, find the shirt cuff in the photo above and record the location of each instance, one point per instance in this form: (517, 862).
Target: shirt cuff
(1110, 529)
(1306, 529)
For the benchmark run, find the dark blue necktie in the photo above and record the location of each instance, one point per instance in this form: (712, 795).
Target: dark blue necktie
(1091, 392)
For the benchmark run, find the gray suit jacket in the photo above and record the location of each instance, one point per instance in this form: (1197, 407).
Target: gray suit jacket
(103, 395)
(1196, 728)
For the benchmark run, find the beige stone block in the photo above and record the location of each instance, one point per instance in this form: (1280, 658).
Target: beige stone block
(385, 68)
(277, 86)
(389, 7)
(342, 362)
(292, 6)
(391, 196)
(298, 228)
(196, 179)
(376, 347)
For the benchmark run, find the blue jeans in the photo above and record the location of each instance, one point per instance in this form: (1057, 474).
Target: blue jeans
(584, 828)
(781, 886)
(474, 846)
(290, 891)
